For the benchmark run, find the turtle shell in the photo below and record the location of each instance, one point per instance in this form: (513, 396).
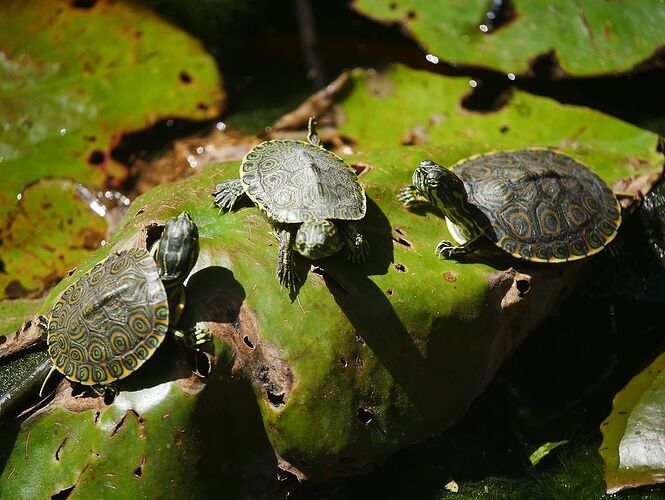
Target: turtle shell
(294, 181)
(110, 321)
(539, 204)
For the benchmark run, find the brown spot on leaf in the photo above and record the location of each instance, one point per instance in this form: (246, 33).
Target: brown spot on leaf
(97, 157)
(450, 276)
(185, 77)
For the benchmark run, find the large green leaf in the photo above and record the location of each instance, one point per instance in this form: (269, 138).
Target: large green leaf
(402, 105)
(76, 76)
(365, 361)
(587, 38)
(633, 434)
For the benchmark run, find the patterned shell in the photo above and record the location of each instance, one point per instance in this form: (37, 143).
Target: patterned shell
(541, 205)
(110, 321)
(294, 181)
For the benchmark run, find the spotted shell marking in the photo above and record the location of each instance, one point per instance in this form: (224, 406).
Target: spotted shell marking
(541, 205)
(110, 321)
(294, 181)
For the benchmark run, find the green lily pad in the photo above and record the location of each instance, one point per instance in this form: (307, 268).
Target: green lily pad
(357, 357)
(587, 38)
(14, 312)
(403, 105)
(50, 230)
(633, 433)
(67, 95)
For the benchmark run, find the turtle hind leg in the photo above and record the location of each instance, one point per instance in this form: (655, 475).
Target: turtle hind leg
(227, 193)
(286, 268)
(356, 243)
(108, 392)
(447, 250)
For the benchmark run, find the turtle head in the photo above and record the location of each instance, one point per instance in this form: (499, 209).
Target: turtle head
(177, 249)
(440, 186)
(317, 239)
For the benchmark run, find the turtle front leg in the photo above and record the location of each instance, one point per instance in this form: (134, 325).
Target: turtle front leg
(448, 250)
(109, 390)
(227, 193)
(42, 324)
(286, 267)
(194, 338)
(411, 197)
(356, 243)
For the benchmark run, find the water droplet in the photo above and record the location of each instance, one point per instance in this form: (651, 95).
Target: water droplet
(169, 123)
(192, 161)
(490, 15)
(221, 126)
(63, 131)
(19, 196)
(473, 83)
(200, 150)
(102, 243)
(483, 28)
(97, 207)
(347, 150)
(511, 76)
(432, 58)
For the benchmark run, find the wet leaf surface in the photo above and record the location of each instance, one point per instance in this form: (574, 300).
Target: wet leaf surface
(586, 38)
(356, 356)
(633, 433)
(49, 231)
(67, 94)
(405, 106)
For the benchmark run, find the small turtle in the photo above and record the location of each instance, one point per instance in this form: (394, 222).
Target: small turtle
(301, 188)
(536, 204)
(111, 320)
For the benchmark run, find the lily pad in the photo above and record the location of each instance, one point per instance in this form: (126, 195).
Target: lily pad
(586, 38)
(633, 434)
(50, 230)
(406, 106)
(374, 357)
(67, 95)
(14, 312)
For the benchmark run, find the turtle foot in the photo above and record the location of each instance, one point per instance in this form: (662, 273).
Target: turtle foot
(410, 197)
(446, 250)
(194, 338)
(227, 193)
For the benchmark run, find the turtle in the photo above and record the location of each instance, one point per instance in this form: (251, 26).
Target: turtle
(112, 319)
(309, 194)
(537, 204)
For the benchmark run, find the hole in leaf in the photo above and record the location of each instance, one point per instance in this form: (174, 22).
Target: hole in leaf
(97, 157)
(83, 4)
(343, 361)
(139, 212)
(523, 286)
(57, 452)
(248, 342)
(389, 292)
(97, 416)
(3, 339)
(365, 415)
(275, 399)
(400, 268)
(488, 98)
(184, 77)
(411, 15)
(153, 233)
(138, 472)
(62, 494)
(504, 129)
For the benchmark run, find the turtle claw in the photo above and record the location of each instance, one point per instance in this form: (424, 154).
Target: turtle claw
(409, 196)
(446, 250)
(227, 193)
(194, 338)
